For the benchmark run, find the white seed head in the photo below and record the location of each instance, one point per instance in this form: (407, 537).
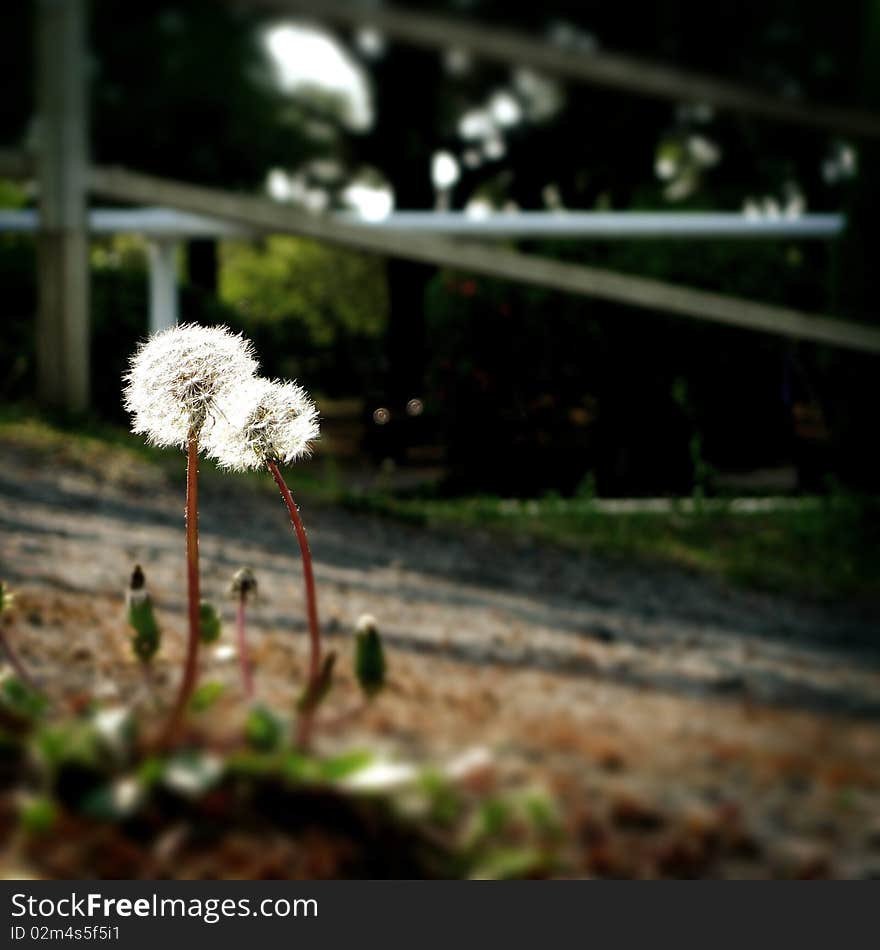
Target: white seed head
(262, 420)
(176, 378)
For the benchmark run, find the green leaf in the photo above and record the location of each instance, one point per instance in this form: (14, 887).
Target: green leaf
(72, 743)
(50, 745)
(150, 771)
(38, 815)
(493, 816)
(342, 766)
(253, 764)
(542, 813)
(444, 801)
(205, 696)
(301, 768)
(20, 699)
(509, 863)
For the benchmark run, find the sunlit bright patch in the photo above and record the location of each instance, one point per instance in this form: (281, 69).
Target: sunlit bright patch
(306, 56)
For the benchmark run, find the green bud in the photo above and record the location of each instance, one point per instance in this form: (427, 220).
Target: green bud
(147, 636)
(142, 619)
(369, 660)
(209, 621)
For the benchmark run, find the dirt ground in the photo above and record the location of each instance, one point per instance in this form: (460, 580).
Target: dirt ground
(688, 729)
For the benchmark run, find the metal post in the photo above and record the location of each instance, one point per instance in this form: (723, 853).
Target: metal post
(162, 255)
(62, 248)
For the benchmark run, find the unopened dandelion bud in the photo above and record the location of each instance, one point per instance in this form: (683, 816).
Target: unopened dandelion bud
(244, 584)
(141, 617)
(243, 587)
(369, 663)
(210, 625)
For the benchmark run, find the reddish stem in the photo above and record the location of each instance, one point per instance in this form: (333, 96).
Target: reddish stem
(307, 717)
(243, 658)
(191, 668)
(13, 660)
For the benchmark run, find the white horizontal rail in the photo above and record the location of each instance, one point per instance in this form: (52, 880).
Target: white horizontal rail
(166, 223)
(610, 225)
(160, 223)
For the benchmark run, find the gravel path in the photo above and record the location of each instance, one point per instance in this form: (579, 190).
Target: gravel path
(686, 727)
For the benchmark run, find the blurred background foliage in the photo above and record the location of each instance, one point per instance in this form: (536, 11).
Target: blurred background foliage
(320, 311)
(524, 390)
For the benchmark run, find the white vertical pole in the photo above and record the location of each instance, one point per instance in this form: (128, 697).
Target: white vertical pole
(63, 337)
(162, 256)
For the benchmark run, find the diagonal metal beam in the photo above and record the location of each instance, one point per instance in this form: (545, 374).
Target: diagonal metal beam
(654, 295)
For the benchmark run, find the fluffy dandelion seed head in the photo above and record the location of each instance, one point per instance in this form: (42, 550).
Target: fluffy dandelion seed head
(261, 421)
(176, 378)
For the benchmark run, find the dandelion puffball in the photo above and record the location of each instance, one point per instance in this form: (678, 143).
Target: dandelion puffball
(177, 376)
(262, 421)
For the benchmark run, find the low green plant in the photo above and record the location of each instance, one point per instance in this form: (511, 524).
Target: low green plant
(91, 774)
(142, 618)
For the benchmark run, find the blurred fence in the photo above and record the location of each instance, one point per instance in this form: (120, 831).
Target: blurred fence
(165, 229)
(65, 179)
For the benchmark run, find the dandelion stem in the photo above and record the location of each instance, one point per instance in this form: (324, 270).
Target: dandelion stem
(150, 684)
(191, 669)
(307, 717)
(13, 660)
(243, 657)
